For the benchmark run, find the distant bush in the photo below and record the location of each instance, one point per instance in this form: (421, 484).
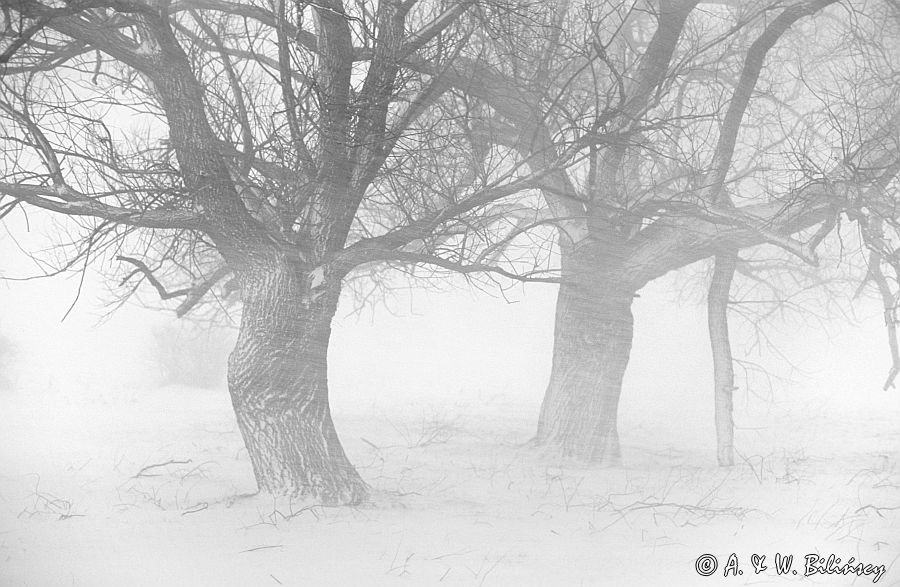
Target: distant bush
(192, 354)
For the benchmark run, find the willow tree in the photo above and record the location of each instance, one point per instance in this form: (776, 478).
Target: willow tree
(267, 148)
(707, 128)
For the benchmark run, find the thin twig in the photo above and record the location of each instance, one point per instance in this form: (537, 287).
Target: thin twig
(142, 472)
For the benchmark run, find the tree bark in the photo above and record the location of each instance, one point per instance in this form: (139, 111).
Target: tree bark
(723, 367)
(277, 376)
(591, 348)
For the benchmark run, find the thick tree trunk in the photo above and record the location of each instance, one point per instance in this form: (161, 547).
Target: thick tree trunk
(723, 368)
(277, 376)
(592, 344)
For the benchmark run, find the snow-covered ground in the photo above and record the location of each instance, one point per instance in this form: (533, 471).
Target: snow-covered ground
(145, 488)
(108, 478)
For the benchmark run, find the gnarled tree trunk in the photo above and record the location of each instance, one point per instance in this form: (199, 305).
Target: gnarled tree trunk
(277, 375)
(591, 347)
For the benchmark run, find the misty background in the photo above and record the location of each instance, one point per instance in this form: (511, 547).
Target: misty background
(284, 159)
(455, 347)
(434, 394)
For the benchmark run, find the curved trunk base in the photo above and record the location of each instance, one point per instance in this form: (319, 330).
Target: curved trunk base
(296, 455)
(277, 376)
(592, 344)
(601, 449)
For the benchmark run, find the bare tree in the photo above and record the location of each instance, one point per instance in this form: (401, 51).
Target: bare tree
(265, 148)
(701, 135)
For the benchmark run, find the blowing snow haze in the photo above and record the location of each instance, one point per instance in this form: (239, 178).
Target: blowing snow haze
(481, 292)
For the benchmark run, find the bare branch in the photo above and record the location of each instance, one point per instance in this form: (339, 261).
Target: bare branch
(65, 200)
(409, 258)
(148, 274)
(193, 295)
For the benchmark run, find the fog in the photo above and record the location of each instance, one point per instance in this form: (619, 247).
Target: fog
(263, 157)
(86, 407)
(457, 343)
